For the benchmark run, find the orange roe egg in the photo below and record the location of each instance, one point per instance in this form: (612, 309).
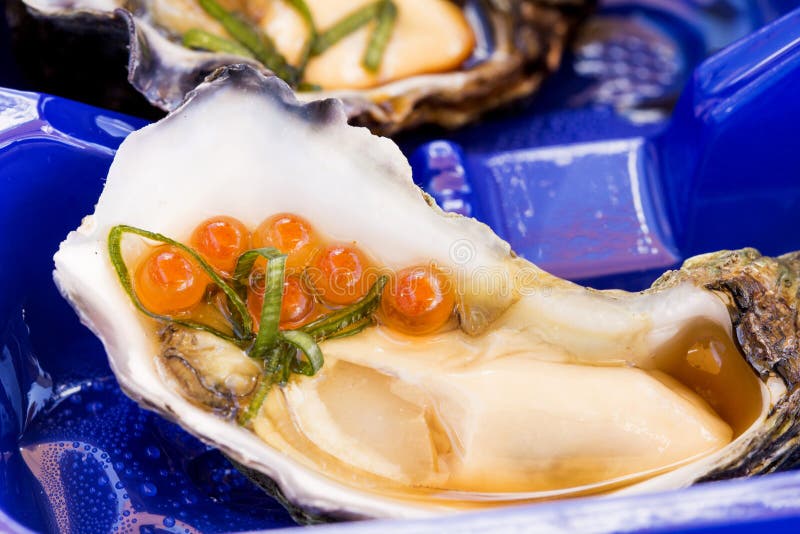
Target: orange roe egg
(418, 300)
(169, 281)
(221, 240)
(292, 235)
(341, 274)
(296, 308)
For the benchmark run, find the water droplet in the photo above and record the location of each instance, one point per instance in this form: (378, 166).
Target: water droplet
(152, 452)
(149, 489)
(169, 522)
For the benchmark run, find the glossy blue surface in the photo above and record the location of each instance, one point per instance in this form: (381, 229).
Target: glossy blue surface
(612, 197)
(730, 162)
(590, 180)
(754, 505)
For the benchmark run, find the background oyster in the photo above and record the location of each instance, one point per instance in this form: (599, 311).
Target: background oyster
(517, 44)
(692, 380)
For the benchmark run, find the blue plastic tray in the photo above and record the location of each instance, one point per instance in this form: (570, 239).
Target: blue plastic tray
(77, 455)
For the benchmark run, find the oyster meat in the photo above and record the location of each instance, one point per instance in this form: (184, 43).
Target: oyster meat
(444, 61)
(536, 389)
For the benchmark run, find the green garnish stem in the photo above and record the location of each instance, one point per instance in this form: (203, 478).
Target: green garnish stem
(331, 324)
(267, 379)
(196, 38)
(346, 26)
(380, 36)
(305, 13)
(267, 336)
(251, 38)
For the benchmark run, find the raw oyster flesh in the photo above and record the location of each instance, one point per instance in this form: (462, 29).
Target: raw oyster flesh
(532, 388)
(444, 61)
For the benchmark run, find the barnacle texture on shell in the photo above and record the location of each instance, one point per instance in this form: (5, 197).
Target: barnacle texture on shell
(536, 389)
(517, 44)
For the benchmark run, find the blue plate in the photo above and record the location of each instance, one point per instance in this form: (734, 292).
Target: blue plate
(76, 455)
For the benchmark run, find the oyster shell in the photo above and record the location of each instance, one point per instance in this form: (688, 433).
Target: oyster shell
(546, 389)
(518, 44)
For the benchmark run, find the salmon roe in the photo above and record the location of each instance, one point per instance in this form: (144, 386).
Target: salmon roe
(292, 235)
(341, 274)
(169, 281)
(220, 241)
(418, 300)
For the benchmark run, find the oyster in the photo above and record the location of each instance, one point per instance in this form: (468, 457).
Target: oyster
(543, 389)
(510, 47)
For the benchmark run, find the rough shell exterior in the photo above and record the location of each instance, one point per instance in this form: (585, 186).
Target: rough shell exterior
(762, 296)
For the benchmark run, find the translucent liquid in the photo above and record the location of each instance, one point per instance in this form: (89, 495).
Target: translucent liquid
(702, 359)
(705, 359)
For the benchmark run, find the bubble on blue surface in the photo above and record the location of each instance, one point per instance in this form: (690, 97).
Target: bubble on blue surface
(94, 407)
(148, 489)
(80, 496)
(169, 522)
(176, 468)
